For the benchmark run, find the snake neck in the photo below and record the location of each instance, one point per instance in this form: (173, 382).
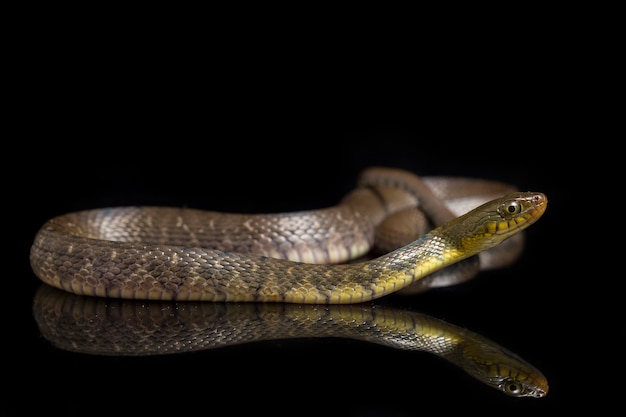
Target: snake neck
(430, 253)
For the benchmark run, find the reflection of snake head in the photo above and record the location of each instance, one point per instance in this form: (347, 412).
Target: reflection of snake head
(503, 370)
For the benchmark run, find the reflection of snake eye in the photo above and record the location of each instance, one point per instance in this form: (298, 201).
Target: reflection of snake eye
(511, 208)
(513, 387)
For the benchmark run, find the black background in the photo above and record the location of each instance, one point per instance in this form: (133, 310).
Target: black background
(246, 141)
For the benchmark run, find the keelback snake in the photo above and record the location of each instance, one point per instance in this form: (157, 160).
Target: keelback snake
(169, 253)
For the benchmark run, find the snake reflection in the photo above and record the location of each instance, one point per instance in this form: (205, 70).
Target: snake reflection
(99, 326)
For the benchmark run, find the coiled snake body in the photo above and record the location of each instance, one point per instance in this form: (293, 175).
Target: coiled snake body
(169, 253)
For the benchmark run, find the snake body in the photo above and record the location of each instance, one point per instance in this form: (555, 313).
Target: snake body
(98, 326)
(167, 253)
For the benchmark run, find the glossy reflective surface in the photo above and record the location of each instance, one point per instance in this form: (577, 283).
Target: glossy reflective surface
(519, 307)
(114, 327)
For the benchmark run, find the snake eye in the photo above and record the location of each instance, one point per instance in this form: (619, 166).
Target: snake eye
(513, 387)
(511, 208)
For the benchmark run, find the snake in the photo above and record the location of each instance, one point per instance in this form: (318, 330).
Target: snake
(187, 254)
(109, 327)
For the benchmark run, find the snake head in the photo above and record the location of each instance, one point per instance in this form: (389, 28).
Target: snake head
(491, 223)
